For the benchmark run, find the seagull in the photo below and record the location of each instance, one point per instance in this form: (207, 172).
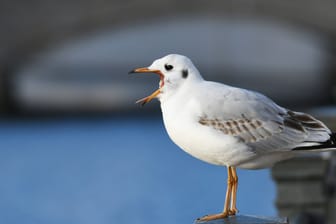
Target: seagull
(229, 126)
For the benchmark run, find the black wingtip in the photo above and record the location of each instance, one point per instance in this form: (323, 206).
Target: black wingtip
(333, 138)
(131, 72)
(329, 144)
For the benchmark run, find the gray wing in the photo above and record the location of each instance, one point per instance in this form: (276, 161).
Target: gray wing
(260, 123)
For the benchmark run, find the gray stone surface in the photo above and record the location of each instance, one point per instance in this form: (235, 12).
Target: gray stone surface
(301, 187)
(301, 192)
(248, 219)
(307, 168)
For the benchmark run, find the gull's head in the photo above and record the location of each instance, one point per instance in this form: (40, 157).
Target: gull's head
(174, 71)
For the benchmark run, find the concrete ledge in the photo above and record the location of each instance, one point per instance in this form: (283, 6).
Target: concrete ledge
(248, 219)
(301, 189)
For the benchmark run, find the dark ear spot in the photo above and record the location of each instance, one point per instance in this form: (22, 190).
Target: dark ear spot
(185, 73)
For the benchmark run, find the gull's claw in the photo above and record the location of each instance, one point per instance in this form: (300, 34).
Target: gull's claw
(233, 211)
(213, 217)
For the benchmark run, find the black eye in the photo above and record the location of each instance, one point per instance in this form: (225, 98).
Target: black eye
(168, 67)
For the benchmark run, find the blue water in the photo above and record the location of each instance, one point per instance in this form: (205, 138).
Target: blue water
(112, 170)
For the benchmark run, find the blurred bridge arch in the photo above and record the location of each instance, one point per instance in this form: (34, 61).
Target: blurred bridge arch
(31, 28)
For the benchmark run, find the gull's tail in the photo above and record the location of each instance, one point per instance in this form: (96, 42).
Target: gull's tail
(328, 145)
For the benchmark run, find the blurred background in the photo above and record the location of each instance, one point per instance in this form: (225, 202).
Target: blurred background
(74, 147)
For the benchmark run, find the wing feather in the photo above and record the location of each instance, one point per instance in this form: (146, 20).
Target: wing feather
(262, 135)
(259, 122)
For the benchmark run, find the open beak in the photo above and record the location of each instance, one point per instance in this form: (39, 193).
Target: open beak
(145, 100)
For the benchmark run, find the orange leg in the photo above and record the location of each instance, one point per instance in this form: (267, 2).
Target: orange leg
(233, 208)
(227, 205)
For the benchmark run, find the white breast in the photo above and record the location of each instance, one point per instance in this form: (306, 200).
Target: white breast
(181, 122)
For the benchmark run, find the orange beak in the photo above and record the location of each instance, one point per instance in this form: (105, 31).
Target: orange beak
(145, 100)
